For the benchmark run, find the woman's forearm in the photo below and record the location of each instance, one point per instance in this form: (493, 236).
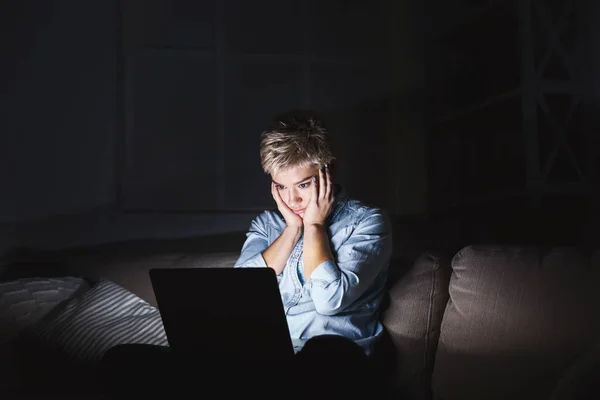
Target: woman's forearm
(316, 248)
(277, 254)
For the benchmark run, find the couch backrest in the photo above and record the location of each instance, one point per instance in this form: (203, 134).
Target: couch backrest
(412, 318)
(516, 319)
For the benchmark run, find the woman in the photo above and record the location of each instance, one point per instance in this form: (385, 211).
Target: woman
(330, 253)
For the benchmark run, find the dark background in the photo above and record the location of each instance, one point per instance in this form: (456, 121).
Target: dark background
(131, 120)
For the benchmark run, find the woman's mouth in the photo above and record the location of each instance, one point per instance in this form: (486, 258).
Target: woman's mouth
(299, 211)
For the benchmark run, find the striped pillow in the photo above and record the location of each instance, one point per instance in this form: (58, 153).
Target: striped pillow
(103, 317)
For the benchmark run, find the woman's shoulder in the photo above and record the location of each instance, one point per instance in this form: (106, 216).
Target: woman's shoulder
(361, 212)
(270, 218)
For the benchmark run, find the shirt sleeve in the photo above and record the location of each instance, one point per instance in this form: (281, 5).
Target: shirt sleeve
(335, 285)
(257, 241)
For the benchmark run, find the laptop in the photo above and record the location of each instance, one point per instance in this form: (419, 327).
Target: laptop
(222, 312)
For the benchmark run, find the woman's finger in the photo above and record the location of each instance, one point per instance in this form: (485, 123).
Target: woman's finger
(275, 194)
(322, 183)
(315, 189)
(328, 195)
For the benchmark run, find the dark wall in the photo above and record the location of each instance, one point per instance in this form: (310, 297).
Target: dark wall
(75, 147)
(58, 119)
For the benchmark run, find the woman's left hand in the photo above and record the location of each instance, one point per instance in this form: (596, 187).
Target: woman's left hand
(321, 201)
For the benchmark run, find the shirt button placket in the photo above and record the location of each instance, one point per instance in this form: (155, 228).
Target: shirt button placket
(296, 258)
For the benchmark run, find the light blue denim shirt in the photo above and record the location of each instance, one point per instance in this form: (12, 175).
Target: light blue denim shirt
(343, 295)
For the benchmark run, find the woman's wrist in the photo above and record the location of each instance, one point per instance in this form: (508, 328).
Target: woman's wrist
(294, 231)
(314, 226)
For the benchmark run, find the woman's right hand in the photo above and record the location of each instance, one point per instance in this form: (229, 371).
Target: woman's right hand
(291, 219)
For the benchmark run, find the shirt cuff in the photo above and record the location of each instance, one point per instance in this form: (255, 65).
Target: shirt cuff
(325, 273)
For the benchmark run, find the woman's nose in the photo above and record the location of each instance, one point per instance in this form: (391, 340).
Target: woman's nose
(294, 199)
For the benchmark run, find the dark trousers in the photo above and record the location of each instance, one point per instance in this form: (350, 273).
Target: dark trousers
(328, 367)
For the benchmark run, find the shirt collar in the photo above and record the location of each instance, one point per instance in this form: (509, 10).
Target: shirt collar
(340, 200)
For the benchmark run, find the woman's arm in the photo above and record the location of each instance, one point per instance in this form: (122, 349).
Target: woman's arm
(277, 254)
(316, 248)
(256, 251)
(279, 251)
(336, 283)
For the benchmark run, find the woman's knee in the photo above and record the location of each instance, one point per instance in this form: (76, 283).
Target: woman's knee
(335, 354)
(334, 344)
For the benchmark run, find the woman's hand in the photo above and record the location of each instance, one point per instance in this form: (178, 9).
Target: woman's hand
(321, 201)
(292, 219)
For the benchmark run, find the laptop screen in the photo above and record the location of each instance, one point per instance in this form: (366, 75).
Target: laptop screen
(223, 312)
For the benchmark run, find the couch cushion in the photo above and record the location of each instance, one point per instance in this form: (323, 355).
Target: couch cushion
(581, 379)
(412, 319)
(516, 319)
(131, 271)
(126, 265)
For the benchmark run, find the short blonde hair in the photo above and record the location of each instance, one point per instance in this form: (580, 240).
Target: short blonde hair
(295, 139)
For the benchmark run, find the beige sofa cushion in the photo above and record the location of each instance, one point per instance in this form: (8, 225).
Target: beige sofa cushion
(416, 304)
(125, 267)
(516, 319)
(131, 271)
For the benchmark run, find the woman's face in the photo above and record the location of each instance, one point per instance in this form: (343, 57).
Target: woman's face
(295, 186)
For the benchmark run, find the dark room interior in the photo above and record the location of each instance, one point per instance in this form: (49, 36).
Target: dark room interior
(129, 140)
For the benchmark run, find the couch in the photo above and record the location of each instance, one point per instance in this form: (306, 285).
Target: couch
(484, 322)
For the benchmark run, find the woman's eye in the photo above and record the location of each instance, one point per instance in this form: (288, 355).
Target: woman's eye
(304, 185)
(279, 187)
